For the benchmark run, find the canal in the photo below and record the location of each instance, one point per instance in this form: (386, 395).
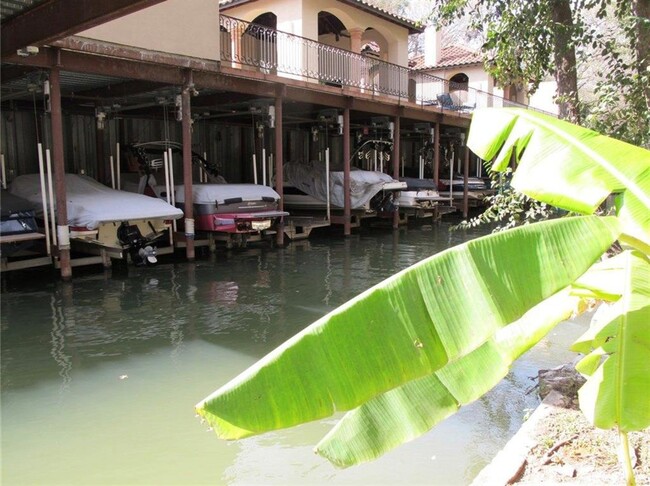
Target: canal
(100, 375)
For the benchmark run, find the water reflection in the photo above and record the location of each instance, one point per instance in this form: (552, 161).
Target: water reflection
(58, 344)
(99, 375)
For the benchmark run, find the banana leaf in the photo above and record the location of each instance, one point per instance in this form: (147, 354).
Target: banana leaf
(617, 344)
(404, 413)
(408, 326)
(567, 166)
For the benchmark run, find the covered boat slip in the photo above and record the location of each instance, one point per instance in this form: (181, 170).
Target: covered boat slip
(93, 97)
(101, 220)
(19, 234)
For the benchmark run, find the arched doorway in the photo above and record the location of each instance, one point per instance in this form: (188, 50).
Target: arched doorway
(459, 87)
(333, 68)
(259, 42)
(332, 31)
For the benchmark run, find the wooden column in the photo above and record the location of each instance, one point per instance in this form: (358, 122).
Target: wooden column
(347, 203)
(396, 151)
(436, 154)
(187, 165)
(63, 233)
(466, 182)
(279, 166)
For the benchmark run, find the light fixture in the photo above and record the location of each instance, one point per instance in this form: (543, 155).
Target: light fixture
(27, 51)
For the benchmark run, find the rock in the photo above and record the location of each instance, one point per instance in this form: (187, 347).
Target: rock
(564, 379)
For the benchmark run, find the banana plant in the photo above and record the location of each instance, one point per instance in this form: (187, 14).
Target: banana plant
(408, 352)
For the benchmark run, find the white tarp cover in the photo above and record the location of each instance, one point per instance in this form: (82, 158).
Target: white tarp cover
(310, 179)
(218, 193)
(91, 203)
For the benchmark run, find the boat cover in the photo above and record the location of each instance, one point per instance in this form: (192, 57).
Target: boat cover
(219, 193)
(10, 204)
(415, 184)
(91, 203)
(310, 179)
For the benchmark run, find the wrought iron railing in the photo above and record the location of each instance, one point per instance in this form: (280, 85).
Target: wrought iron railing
(253, 46)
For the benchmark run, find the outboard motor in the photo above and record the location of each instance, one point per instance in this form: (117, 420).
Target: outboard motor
(141, 253)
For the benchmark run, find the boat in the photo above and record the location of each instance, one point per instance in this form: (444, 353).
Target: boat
(419, 194)
(306, 187)
(102, 217)
(18, 228)
(477, 189)
(246, 209)
(230, 208)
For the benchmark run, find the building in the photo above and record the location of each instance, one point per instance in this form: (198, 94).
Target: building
(244, 82)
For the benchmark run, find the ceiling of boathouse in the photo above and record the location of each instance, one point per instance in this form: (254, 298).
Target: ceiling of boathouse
(11, 8)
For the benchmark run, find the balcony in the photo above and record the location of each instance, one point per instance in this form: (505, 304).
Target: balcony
(255, 47)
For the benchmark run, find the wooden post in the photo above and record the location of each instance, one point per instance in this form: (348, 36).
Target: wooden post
(396, 151)
(436, 154)
(63, 233)
(466, 183)
(279, 162)
(187, 165)
(347, 203)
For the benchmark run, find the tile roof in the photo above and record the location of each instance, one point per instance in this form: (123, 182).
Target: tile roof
(450, 56)
(413, 27)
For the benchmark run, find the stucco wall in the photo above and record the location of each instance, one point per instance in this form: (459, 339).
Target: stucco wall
(174, 26)
(300, 17)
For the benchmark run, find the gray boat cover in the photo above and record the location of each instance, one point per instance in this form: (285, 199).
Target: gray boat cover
(310, 179)
(91, 203)
(219, 193)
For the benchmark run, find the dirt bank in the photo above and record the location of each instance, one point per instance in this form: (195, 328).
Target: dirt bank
(557, 445)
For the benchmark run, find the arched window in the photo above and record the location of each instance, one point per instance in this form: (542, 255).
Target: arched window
(459, 82)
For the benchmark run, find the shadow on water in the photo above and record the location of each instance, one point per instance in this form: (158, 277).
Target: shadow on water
(250, 300)
(134, 349)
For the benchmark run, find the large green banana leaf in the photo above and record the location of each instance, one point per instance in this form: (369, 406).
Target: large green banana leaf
(617, 344)
(409, 411)
(408, 326)
(566, 165)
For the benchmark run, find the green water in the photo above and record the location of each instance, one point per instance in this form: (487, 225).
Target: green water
(100, 375)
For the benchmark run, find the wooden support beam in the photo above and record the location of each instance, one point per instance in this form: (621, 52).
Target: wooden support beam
(436, 154)
(279, 162)
(120, 90)
(396, 154)
(63, 237)
(347, 202)
(186, 109)
(466, 182)
(55, 19)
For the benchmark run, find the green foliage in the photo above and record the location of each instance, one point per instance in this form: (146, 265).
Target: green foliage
(408, 352)
(507, 208)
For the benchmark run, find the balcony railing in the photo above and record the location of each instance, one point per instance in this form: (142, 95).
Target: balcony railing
(253, 46)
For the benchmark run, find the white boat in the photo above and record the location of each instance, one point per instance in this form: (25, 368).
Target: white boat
(306, 187)
(106, 217)
(419, 194)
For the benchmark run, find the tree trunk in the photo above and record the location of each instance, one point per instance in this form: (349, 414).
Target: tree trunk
(566, 75)
(641, 10)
